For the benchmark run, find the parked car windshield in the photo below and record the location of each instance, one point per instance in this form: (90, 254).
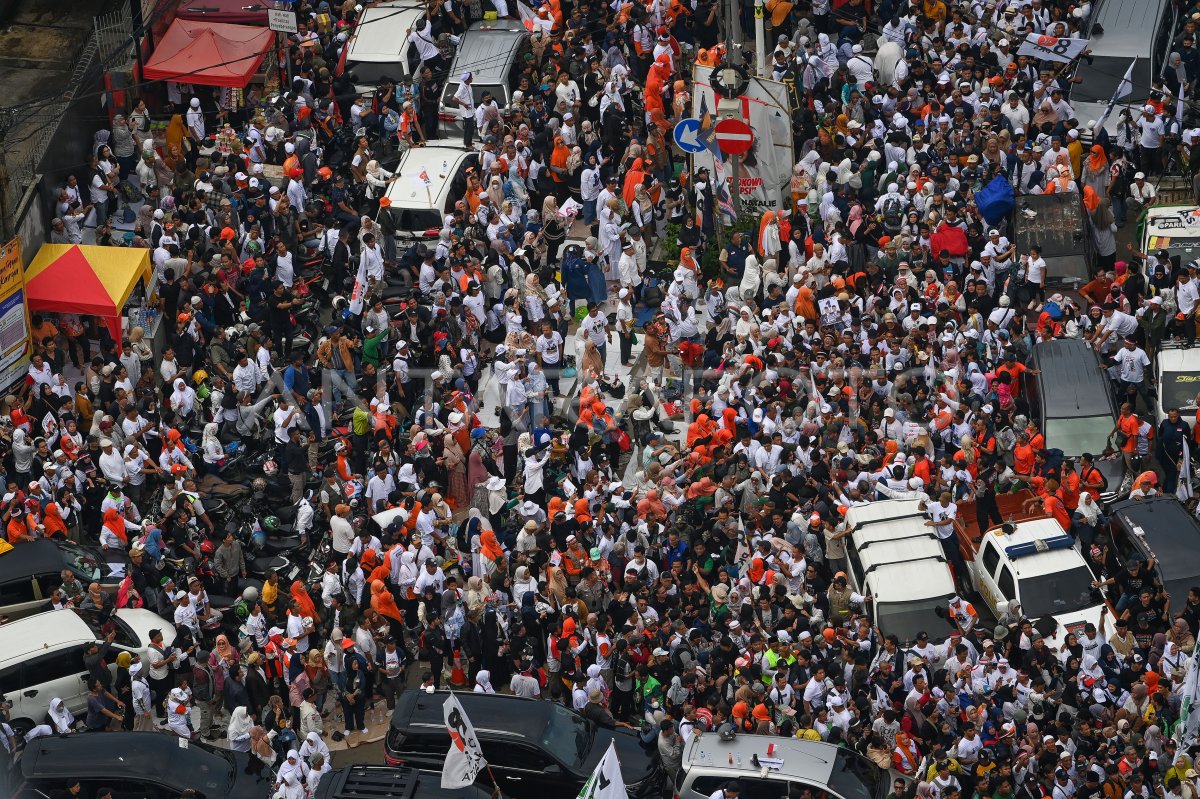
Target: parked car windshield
(568, 736)
(1061, 592)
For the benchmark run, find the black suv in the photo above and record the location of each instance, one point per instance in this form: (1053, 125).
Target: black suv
(143, 764)
(531, 745)
(381, 782)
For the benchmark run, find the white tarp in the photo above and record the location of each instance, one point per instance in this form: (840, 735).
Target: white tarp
(1052, 48)
(764, 173)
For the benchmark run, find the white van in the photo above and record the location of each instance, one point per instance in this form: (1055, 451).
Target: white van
(381, 46)
(1174, 228)
(429, 181)
(1036, 564)
(41, 658)
(1177, 373)
(899, 561)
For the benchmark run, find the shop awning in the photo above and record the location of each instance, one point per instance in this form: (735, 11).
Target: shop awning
(85, 279)
(209, 53)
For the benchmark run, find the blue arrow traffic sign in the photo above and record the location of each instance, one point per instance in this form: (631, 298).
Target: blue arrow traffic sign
(687, 136)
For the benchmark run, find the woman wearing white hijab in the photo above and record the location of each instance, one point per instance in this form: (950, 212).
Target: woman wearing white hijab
(291, 786)
(59, 721)
(483, 682)
(239, 728)
(214, 453)
(178, 713)
(183, 399)
(313, 745)
(292, 767)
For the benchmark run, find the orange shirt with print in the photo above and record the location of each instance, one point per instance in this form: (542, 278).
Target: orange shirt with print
(1023, 459)
(1015, 371)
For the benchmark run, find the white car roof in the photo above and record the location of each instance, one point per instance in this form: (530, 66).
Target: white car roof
(383, 30)
(438, 163)
(1178, 359)
(901, 558)
(1035, 564)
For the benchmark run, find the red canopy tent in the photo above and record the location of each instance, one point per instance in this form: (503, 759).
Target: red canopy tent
(231, 11)
(211, 54)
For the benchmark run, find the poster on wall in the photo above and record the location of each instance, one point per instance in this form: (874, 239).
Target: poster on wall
(766, 171)
(14, 321)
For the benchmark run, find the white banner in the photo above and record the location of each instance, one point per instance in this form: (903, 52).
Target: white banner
(606, 781)
(465, 759)
(1051, 48)
(764, 173)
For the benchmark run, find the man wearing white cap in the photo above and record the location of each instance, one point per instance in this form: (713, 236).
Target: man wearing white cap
(465, 97)
(1152, 128)
(195, 126)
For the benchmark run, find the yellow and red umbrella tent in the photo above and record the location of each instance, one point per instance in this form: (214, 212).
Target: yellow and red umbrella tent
(85, 279)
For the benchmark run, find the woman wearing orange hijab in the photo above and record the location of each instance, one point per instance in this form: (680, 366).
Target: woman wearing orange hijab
(558, 161)
(53, 524)
(300, 596)
(633, 179)
(490, 548)
(383, 604)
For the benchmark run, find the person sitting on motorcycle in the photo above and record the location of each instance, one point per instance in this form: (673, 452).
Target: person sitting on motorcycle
(199, 596)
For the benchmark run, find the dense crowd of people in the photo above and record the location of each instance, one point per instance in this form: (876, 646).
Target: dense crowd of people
(867, 341)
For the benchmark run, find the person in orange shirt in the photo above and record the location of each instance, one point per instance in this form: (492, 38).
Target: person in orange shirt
(1070, 485)
(1036, 439)
(1090, 477)
(1014, 370)
(1023, 456)
(1128, 424)
(922, 468)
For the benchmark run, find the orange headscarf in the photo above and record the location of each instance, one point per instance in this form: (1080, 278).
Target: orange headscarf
(633, 179)
(489, 546)
(1091, 200)
(300, 594)
(53, 523)
(558, 159)
(382, 601)
(1097, 161)
(114, 522)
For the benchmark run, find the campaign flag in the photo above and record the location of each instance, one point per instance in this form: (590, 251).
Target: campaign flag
(1124, 89)
(606, 781)
(708, 137)
(1184, 489)
(465, 759)
(1052, 48)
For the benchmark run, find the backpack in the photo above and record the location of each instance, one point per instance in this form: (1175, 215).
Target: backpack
(893, 215)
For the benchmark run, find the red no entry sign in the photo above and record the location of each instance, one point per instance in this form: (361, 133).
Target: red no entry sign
(734, 136)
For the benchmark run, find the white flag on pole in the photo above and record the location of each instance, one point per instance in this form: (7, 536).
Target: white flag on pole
(1051, 48)
(1179, 104)
(1184, 489)
(465, 759)
(1124, 89)
(606, 781)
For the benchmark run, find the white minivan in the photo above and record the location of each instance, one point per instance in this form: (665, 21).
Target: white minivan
(41, 657)
(380, 46)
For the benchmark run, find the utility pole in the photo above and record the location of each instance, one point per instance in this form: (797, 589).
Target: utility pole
(728, 107)
(760, 39)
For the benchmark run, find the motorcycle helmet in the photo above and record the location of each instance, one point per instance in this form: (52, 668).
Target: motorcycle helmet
(200, 376)
(325, 173)
(259, 484)
(250, 595)
(258, 539)
(207, 548)
(727, 731)
(270, 468)
(271, 524)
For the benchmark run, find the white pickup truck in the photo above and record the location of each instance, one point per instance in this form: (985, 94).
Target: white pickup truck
(1036, 563)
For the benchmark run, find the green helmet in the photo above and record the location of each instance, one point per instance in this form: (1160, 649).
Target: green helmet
(270, 524)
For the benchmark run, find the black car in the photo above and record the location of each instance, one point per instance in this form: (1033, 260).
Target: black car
(1072, 401)
(1161, 528)
(530, 745)
(30, 572)
(141, 764)
(381, 782)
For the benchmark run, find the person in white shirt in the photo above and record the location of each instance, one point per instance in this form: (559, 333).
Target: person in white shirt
(1034, 285)
(595, 327)
(465, 98)
(1151, 128)
(1131, 362)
